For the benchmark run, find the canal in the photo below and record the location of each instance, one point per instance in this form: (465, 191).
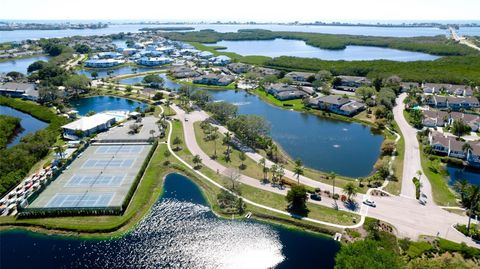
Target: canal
(29, 124)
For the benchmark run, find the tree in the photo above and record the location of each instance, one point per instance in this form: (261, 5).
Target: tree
(168, 103)
(152, 132)
(324, 75)
(297, 200)
(201, 97)
(332, 175)
(15, 75)
(350, 190)
(367, 254)
(248, 128)
(36, 66)
(222, 111)
(94, 74)
(154, 80)
(158, 96)
(416, 118)
(82, 48)
(365, 92)
(263, 162)
(360, 181)
(377, 84)
(177, 141)
(60, 151)
(382, 168)
(134, 128)
(234, 176)
(242, 156)
(473, 198)
(459, 128)
(298, 169)
(197, 161)
(461, 186)
(466, 147)
(129, 88)
(227, 140)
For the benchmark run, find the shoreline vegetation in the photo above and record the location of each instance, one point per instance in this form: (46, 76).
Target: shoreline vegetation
(9, 126)
(459, 65)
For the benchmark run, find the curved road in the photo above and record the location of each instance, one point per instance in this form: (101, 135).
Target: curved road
(404, 212)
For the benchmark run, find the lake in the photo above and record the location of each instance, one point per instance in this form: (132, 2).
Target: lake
(28, 123)
(455, 173)
(104, 103)
(123, 70)
(19, 35)
(348, 149)
(180, 231)
(298, 48)
(168, 83)
(21, 65)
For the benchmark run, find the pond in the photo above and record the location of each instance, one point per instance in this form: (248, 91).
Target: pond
(298, 48)
(168, 83)
(348, 149)
(456, 173)
(123, 70)
(20, 65)
(104, 103)
(180, 231)
(28, 124)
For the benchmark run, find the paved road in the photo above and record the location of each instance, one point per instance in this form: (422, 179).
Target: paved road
(404, 212)
(411, 161)
(462, 40)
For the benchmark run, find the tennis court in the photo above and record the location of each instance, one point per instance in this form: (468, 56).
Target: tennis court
(100, 177)
(80, 200)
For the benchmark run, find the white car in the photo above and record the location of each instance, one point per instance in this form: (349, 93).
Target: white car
(369, 203)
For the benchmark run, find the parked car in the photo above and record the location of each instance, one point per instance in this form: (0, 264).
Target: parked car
(315, 196)
(369, 203)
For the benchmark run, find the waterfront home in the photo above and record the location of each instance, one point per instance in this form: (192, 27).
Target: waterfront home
(239, 68)
(108, 55)
(450, 146)
(439, 142)
(338, 104)
(263, 71)
(205, 55)
(285, 92)
(153, 61)
(440, 88)
(183, 72)
(214, 79)
(220, 60)
(351, 83)
(300, 76)
(19, 90)
(470, 119)
(473, 154)
(88, 125)
(104, 63)
(150, 53)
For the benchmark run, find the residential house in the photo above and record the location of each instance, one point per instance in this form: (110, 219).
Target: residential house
(239, 68)
(435, 118)
(153, 61)
(104, 63)
(351, 83)
(300, 76)
(340, 105)
(439, 142)
(473, 155)
(86, 126)
(285, 92)
(183, 72)
(214, 79)
(20, 90)
(263, 71)
(220, 60)
(205, 55)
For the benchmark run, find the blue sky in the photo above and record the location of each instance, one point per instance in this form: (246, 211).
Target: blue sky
(241, 10)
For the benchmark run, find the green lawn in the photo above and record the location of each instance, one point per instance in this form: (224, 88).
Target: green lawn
(255, 60)
(435, 171)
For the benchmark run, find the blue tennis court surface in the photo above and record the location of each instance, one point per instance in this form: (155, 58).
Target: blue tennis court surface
(80, 200)
(119, 149)
(123, 163)
(95, 180)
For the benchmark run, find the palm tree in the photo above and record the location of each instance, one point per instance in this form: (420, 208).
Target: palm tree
(274, 169)
(298, 170)
(168, 103)
(60, 151)
(466, 147)
(177, 141)
(419, 173)
(461, 186)
(360, 180)
(280, 172)
(197, 161)
(350, 190)
(214, 137)
(226, 140)
(333, 176)
(242, 157)
(473, 199)
(263, 162)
